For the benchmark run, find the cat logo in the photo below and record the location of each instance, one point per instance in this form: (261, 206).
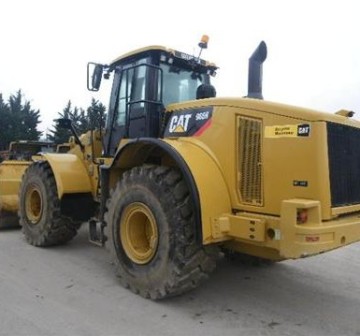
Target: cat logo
(190, 122)
(303, 130)
(179, 123)
(179, 129)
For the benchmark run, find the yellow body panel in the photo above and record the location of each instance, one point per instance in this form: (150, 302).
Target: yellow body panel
(282, 237)
(283, 159)
(209, 179)
(70, 173)
(294, 175)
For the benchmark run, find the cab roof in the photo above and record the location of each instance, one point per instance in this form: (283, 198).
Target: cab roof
(136, 52)
(173, 52)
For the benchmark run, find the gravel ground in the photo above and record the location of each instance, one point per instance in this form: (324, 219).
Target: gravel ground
(71, 290)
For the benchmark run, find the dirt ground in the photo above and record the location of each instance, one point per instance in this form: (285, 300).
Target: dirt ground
(71, 290)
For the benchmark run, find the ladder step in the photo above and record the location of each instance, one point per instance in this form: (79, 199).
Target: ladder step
(96, 232)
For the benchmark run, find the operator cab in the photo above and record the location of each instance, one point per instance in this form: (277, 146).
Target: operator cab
(144, 83)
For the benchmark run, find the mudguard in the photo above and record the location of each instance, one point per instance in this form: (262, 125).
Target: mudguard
(70, 173)
(200, 169)
(210, 183)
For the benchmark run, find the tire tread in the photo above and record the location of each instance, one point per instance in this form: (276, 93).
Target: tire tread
(58, 229)
(191, 262)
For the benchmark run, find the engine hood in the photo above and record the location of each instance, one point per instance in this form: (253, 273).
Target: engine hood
(295, 112)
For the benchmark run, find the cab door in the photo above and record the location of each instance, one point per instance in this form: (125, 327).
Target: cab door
(135, 105)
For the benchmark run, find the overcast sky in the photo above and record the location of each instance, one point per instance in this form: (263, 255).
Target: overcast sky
(313, 46)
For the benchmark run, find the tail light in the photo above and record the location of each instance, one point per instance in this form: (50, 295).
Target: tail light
(302, 216)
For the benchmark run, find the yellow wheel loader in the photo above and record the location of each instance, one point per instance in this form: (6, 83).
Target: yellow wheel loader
(179, 174)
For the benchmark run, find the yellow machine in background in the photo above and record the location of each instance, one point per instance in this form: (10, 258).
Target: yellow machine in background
(178, 174)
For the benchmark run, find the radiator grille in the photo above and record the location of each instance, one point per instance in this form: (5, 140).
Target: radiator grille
(344, 164)
(250, 168)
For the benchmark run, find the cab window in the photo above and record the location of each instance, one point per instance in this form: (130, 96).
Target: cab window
(131, 89)
(179, 84)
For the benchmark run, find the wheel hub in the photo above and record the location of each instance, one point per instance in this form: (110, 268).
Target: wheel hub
(139, 233)
(33, 204)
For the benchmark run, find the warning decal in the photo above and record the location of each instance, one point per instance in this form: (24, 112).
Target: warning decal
(287, 131)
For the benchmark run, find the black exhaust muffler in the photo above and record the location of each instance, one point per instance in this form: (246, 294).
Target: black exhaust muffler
(255, 71)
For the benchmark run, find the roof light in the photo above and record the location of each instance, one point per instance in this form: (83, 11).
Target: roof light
(204, 42)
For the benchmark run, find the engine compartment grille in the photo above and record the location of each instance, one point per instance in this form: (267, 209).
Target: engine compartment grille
(344, 164)
(250, 168)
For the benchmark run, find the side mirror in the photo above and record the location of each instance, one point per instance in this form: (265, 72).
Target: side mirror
(94, 76)
(64, 123)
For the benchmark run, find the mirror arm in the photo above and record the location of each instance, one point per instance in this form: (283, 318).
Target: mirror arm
(67, 124)
(77, 139)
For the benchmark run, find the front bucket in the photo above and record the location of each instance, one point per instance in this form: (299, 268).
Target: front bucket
(11, 173)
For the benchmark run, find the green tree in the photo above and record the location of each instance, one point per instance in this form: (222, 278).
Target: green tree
(18, 120)
(4, 124)
(96, 115)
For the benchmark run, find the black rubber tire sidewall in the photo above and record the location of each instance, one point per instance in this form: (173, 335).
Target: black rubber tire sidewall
(180, 262)
(52, 228)
(154, 272)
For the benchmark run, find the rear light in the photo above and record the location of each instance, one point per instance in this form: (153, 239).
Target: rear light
(302, 216)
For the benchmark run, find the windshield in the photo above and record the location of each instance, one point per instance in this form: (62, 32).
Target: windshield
(180, 84)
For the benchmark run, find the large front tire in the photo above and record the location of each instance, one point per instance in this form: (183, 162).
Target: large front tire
(151, 232)
(40, 211)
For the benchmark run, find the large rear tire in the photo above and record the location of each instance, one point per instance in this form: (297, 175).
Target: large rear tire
(151, 234)
(40, 211)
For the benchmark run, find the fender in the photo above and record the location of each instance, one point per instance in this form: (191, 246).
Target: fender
(213, 193)
(70, 173)
(199, 168)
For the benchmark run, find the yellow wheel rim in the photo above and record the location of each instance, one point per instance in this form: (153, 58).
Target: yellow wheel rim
(138, 233)
(33, 204)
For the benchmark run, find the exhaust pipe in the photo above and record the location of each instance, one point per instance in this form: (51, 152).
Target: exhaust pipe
(255, 71)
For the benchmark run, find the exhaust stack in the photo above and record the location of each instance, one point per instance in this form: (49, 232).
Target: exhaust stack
(255, 71)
